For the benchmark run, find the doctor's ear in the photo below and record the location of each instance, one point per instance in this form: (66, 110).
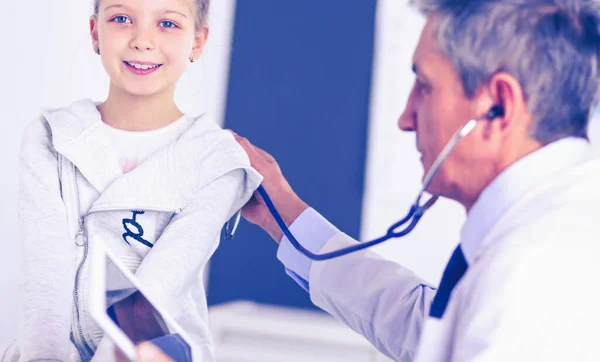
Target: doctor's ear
(509, 100)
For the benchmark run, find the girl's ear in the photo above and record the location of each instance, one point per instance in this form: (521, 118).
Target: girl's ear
(200, 39)
(94, 32)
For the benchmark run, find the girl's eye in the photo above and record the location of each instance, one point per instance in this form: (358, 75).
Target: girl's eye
(121, 19)
(168, 24)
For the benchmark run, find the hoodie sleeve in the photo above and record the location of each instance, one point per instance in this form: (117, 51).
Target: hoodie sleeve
(180, 255)
(48, 252)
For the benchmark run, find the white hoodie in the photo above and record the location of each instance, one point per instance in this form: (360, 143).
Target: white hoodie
(74, 195)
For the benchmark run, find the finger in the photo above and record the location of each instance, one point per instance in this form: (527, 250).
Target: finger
(266, 155)
(257, 156)
(259, 151)
(243, 141)
(148, 352)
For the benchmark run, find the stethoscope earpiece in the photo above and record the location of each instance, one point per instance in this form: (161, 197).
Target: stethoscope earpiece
(494, 112)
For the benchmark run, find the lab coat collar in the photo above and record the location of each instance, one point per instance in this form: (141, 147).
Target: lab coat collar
(514, 182)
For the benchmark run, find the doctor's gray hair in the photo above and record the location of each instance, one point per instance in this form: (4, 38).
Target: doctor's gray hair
(202, 7)
(552, 47)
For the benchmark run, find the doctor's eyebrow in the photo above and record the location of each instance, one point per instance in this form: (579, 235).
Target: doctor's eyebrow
(415, 70)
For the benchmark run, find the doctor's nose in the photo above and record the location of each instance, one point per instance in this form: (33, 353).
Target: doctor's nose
(408, 119)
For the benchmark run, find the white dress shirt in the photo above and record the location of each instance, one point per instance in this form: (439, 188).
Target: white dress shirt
(532, 244)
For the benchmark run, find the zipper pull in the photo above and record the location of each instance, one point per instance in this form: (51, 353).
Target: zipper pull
(80, 237)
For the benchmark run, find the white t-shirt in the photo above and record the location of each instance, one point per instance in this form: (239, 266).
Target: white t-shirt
(134, 147)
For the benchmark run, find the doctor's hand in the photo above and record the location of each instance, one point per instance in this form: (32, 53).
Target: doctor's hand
(147, 352)
(289, 205)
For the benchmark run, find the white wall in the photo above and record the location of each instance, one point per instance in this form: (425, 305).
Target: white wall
(393, 169)
(46, 60)
(393, 175)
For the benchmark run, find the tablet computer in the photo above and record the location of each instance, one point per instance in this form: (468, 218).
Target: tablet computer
(125, 312)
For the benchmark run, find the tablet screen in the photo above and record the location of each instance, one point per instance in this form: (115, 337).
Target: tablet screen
(137, 317)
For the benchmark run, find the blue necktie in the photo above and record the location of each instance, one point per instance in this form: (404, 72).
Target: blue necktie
(454, 271)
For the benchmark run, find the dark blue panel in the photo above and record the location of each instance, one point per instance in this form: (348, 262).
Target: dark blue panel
(299, 87)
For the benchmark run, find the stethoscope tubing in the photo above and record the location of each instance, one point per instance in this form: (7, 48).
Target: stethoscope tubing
(412, 218)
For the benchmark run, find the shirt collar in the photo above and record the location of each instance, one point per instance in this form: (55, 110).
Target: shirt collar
(513, 183)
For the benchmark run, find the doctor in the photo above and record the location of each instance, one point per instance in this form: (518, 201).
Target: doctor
(522, 284)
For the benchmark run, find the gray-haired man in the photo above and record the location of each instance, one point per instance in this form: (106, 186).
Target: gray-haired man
(521, 285)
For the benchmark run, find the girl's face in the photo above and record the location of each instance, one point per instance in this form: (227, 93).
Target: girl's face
(146, 44)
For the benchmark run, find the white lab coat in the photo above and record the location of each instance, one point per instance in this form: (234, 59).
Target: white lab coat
(530, 292)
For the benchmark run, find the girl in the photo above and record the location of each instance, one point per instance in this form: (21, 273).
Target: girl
(133, 172)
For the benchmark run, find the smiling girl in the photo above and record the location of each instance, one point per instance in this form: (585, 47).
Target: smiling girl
(134, 173)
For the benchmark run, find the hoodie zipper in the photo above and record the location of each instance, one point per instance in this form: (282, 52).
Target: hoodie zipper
(81, 237)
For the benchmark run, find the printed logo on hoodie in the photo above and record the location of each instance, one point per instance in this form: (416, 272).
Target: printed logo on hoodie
(138, 231)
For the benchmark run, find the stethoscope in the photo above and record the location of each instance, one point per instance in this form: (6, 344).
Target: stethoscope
(398, 229)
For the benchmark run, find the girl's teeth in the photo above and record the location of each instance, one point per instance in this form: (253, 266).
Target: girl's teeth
(143, 66)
